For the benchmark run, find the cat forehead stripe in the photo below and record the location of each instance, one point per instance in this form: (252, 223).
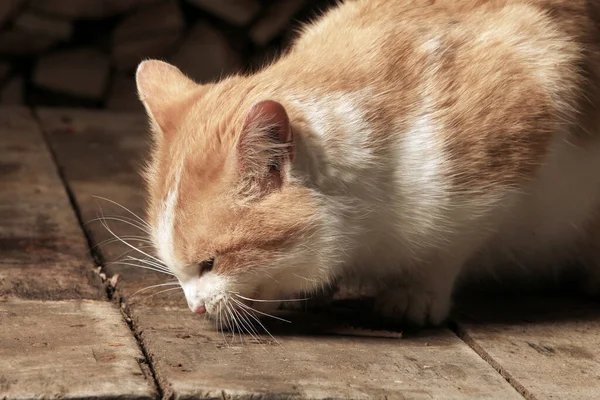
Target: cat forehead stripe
(166, 223)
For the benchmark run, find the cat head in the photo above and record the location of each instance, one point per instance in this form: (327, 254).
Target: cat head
(229, 217)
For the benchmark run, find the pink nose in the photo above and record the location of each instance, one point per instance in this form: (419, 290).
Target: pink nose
(200, 310)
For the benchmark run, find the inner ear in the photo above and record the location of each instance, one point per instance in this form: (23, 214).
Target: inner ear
(271, 116)
(266, 143)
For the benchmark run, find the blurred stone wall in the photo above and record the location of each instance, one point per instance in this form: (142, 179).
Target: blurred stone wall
(83, 53)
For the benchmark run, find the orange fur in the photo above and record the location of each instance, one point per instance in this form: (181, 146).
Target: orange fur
(491, 85)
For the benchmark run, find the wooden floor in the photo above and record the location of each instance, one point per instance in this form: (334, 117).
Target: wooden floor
(65, 333)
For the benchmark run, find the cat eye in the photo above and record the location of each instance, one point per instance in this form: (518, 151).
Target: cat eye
(206, 266)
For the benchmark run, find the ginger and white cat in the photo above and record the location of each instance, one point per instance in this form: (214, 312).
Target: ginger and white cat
(405, 143)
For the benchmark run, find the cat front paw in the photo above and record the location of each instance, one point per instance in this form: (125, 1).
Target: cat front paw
(413, 306)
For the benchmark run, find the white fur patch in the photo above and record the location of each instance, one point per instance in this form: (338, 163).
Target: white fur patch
(431, 46)
(166, 222)
(420, 178)
(338, 120)
(421, 158)
(353, 122)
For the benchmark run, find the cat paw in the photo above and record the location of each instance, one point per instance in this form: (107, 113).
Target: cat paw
(407, 305)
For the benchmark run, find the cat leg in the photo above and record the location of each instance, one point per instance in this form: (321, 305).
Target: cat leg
(423, 297)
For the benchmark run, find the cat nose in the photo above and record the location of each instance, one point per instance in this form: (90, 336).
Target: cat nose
(199, 309)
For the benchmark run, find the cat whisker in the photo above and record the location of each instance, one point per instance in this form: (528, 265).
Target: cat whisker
(113, 240)
(124, 220)
(226, 324)
(140, 266)
(148, 261)
(219, 324)
(144, 223)
(162, 291)
(239, 325)
(250, 313)
(151, 263)
(229, 323)
(127, 243)
(247, 327)
(233, 323)
(243, 312)
(270, 300)
(258, 336)
(126, 252)
(152, 287)
(263, 313)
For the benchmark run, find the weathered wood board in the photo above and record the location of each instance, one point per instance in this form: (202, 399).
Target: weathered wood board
(101, 155)
(69, 349)
(191, 359)
(49, 349)
(43, 253)
(549, 348)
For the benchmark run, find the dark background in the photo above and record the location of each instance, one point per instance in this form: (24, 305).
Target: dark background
(83, 53)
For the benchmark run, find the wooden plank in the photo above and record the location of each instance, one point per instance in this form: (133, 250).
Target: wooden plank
(195, 361)
(549, 348)
(55, 348)
(99, 154)
(68, 349)
(43, 253)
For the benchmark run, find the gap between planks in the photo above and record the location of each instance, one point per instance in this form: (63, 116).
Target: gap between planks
(96, 254)
(485, 356)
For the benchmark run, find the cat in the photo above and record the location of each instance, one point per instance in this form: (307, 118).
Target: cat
(404, 143)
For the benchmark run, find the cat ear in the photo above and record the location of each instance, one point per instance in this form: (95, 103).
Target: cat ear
(161, 88)
(266, 146)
